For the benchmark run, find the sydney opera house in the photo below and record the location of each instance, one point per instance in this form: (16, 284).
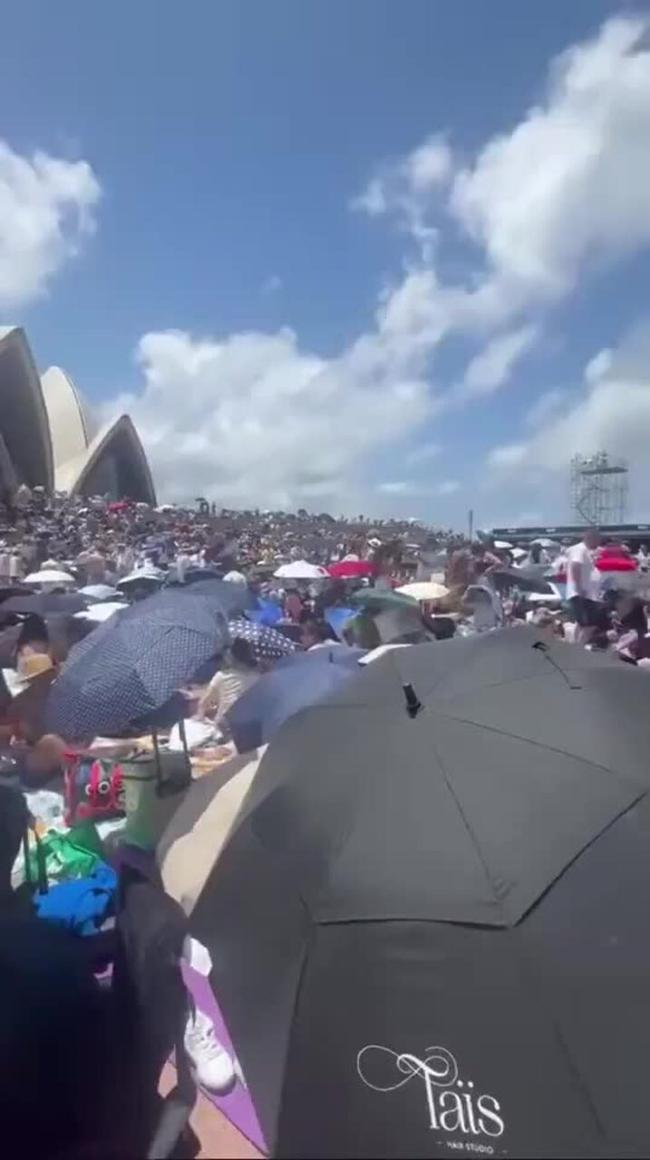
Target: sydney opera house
(49, 437)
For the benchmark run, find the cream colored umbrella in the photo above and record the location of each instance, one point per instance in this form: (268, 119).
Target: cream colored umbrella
(424, 590)
(49, 576)
(201, 826)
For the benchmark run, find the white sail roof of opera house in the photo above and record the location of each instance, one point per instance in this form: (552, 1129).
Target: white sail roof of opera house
(50, 436)
(24, 427)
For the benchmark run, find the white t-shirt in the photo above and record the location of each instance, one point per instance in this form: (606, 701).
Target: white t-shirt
(225, 688)
(588, 584)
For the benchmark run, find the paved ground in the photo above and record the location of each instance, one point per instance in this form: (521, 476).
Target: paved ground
(219, 1139)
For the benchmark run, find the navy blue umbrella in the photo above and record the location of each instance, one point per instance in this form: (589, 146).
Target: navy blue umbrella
(42, 603)
(131, 665)
(294, 684)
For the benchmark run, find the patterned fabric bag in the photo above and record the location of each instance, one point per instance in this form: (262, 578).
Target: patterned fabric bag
(94, 788)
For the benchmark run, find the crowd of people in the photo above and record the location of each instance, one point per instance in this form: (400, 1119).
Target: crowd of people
(296, 584)
(110, 539)
(126, 550)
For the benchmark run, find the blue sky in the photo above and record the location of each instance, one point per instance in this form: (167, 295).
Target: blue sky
(279, 233)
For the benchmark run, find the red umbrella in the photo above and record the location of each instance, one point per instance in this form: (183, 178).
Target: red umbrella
(616, 564)
(347, 569)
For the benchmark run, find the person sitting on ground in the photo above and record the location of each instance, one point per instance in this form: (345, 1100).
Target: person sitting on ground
(484, 607)
(317, 634)
(237, 673)
(633, 644)
(442, 627)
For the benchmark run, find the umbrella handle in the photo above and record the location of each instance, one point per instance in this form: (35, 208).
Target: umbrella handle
(156, 753)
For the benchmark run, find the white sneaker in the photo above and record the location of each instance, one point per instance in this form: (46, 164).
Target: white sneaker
(213, 1066)
(239, 1073)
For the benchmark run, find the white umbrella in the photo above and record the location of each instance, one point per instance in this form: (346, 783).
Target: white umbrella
(502, 544)
(142, 576)
(98, 613)
(544, 542)
(519, 553)
(49, 576)
(424, 590)
(235, 577)
(99, 592)
(301, 570)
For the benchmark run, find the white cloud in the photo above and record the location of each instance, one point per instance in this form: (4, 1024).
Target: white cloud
(424, 453)
(508, 455)
(428, 166)
(571, 182)
(407, 487)
(544, 203)
(46, 208)
(272, 284)
(447, 487)
(490, 369)
(404, 189)
(398, 487)
(253, 418)
(612, 413)
(598, 366)
(373, 200)
(546, 407)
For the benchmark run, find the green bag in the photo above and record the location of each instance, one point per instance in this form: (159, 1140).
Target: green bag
(62, 857)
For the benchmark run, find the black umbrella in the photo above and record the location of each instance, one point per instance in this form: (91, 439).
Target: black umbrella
(505, 579)
(8, 644)
(428, 929)
(132, 664)
(60, 630)
(17, 589)
(44, 602)
(231, 598)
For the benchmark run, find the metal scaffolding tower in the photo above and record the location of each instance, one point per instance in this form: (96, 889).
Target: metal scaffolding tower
(599, 486)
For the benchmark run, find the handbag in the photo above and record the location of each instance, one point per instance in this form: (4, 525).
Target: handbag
(93, 788)
(60, 857)
(154, 784)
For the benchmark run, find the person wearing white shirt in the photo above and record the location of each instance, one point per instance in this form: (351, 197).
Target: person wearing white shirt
(229, 682)
(583, 586)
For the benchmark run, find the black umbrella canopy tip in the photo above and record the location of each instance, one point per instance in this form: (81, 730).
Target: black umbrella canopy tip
(413, 703)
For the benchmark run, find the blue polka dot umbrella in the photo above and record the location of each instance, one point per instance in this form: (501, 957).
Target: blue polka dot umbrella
(131, 665)
(267, 644)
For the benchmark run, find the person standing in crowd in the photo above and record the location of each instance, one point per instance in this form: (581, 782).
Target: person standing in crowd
(460, 568)
(293, 605)
(583, 587)
(4, 563)
(534, 564)
(317, 634)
